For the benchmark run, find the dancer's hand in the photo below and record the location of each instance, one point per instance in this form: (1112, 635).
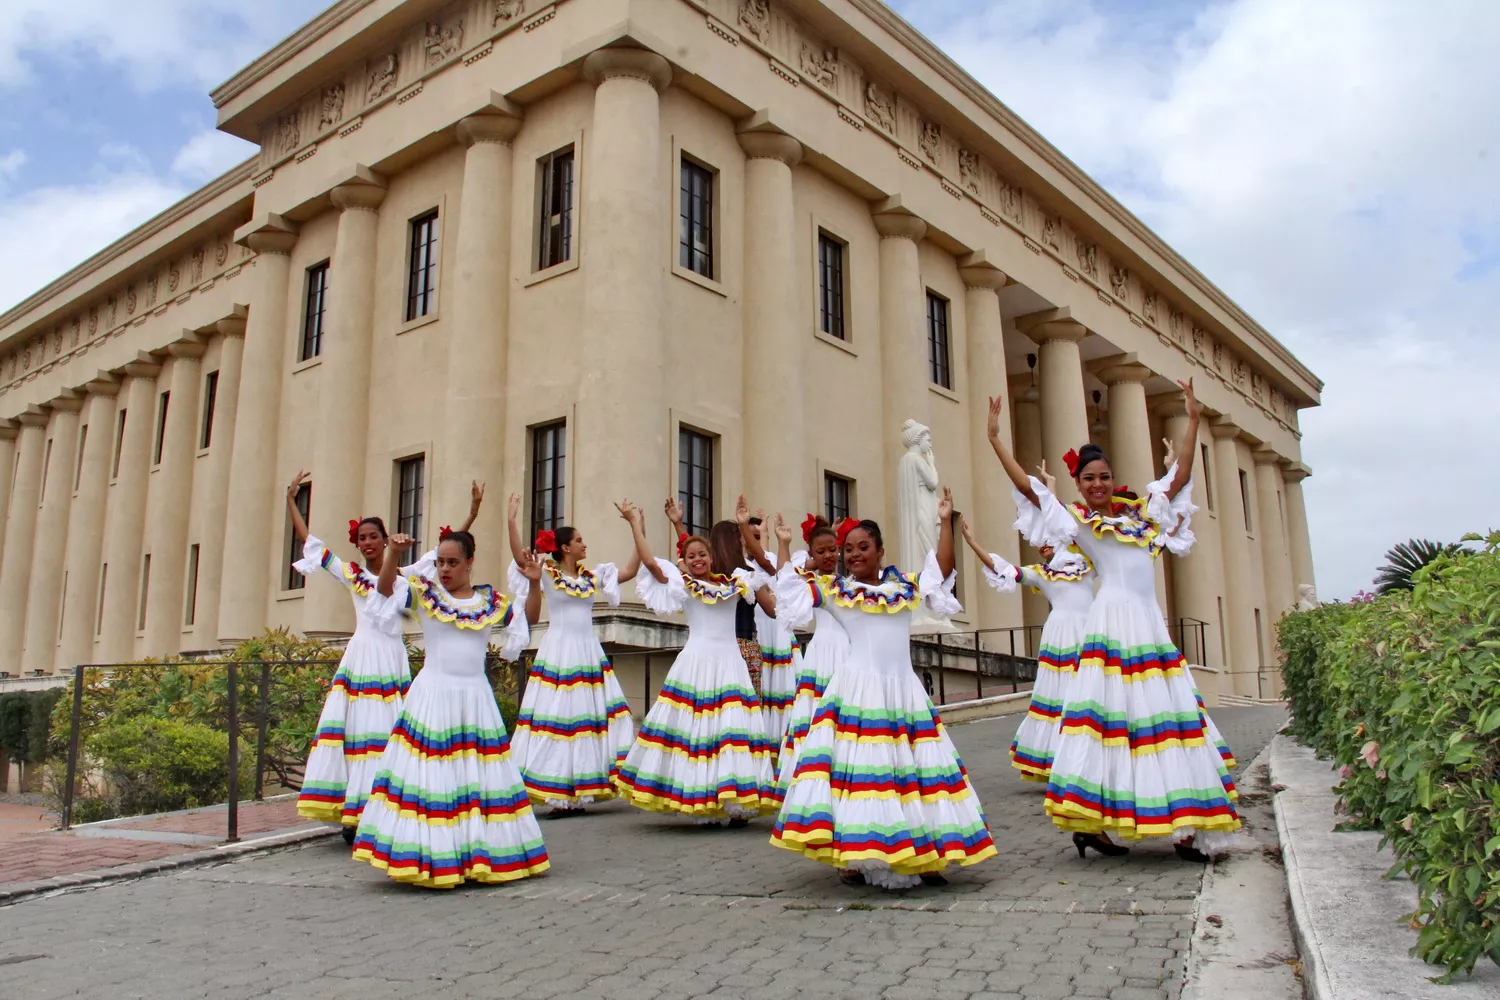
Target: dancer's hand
(742, 511)
(945, 505)
(1193, 408)
(1048, 480)
(1171, 458)
(399, 542)
(963, 525)
(627, 510)
(296, 484)
(996, 404)
(476, 497)
(781, 528)
(673, 510)
(531, 566)
(513, 506)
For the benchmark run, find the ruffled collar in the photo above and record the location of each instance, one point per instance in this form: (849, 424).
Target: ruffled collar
(585, 584)
(896, 591)
(360, 580)
(1126, 520)
(438, 603)
(1072, 574)
(716, 588)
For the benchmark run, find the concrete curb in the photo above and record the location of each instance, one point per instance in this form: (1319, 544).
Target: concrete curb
(1346, 913)
(25, 890)
(979, 709)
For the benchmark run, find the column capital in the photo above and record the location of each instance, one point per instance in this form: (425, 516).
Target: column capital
(144, 366)
(636, 64)
(1266, 456)
(190, 347)
(762, 140)
(1294, 472)
(499, 126)
(1120, 368)
(9, 429)
(102, 384)
(230, 326)
(34, 416)
(899, 225)
(66, 401)
(1223, 429)
(360, 190)
(977, 272)
(268, 233)
(1168, 405)
(1051, 324)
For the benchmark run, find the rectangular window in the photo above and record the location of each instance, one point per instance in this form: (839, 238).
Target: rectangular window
(1208, 478)
(411, 475)
(103, 582)
(161, 426)
(83, 437)
(140, 606)
(190, 612)
(421, 276)
(555, 214)
(1260, 648)
(549, 449)
(1245, 499)
(836, 497)
(314, 308)
(695, 479)
(46, 464)
(941, 369)
(696, 233)
(1223, 634)
(114, 467)
(831, 285)
(293, 579)
(62, 610)
(210, 400)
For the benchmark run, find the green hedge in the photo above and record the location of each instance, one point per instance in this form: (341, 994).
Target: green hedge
(1403, 691)
(25, 718)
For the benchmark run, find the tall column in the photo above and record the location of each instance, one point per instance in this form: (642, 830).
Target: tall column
(1298, 540)
(338, 473)
(1243, 654)
(1130, 437)
(9, 431)
(775, 436)
(1198, 577)
(50, 550)
(904, 372)
(622, 380)
(211, 530)
(476, 386)
(169, 500)
(1065, 417)
(86, 528)
(251, 549)
(20, 537)
(126, 520)
(993, 517)
(1276, 566)
(1027, 400)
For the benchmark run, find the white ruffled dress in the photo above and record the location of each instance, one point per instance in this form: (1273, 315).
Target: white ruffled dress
(448, 804)
(702, 749)
(878, 786)
(364, 698)
(1137, 754)
(780, 666)
(574, 725)
(1069, 588)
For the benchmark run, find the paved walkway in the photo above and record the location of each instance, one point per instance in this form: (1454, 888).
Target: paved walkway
(16, 820)
(640, 907)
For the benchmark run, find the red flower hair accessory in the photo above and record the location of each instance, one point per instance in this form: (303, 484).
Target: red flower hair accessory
(847, 525)
(444, 532)
(546, 542)
(682, 538)
(1071, 461)
(354, 524)
(809, 525)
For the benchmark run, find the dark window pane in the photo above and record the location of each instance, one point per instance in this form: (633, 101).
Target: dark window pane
(835, 497)
(695, 477)
(696, 232)
(937, 341)
(313, 311)
(830, 286)
(161, 426)
(410, 478)
(548, 476)
(210, 400)
(555, 238)
(295, 580)
(421, 283)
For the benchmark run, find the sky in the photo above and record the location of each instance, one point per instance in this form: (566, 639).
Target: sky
(1332, 166)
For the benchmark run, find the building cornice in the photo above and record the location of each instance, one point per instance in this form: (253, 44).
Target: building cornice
(285, 50)
(918, 44)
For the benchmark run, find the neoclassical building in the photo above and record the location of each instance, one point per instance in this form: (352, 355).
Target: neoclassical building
(593, 249)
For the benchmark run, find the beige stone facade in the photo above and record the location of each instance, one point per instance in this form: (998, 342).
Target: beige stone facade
(465, 230)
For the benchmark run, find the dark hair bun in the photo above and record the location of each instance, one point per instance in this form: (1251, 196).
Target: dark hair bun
(464, 539)
(1090, 453)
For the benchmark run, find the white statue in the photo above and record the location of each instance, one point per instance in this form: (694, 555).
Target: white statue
(1307, 598)
(917, 487)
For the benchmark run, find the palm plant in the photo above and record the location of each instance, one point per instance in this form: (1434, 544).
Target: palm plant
(1405, 559)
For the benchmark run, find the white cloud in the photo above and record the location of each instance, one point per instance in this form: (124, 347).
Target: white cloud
(208, 154)
(1330, 166)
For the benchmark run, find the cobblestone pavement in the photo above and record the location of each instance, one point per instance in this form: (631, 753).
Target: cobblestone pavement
(640, 907)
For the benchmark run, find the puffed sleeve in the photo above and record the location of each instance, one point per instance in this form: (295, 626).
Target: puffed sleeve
(518, 583)
(754, 576)
(1173, 516)
(1003, 577)
(799, 559)
(425, 565)
(389, 609)
(796, 596)
(661, 598)
(1065, 560)
(515, 633)
(936, 590)
(608, 575)
(1047, 522)
(316, 556)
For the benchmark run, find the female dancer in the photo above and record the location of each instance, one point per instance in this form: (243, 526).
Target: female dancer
(1135, 755)
(829, 646)
(365, 696)
(448, 804)
(702, 750)
(1070, 591)
(879, 791)
(574, 727)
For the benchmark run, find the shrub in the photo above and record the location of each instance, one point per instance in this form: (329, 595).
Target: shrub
(158, 765)
(25, 717)
(1404, 692)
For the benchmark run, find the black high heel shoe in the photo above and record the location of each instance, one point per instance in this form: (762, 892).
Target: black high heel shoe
(1082, 841)
(1188, 852)
(933, 878)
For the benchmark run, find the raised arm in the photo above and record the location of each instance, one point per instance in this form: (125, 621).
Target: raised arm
(766, 600)
(394, 546)
(1008, 461)
(753, 547)
(783, 540)
(298, 524)
(642, 547)
(631, 568)
(979, 553)
(513, 522)
(1187, 447)
(945, 557)
(531, 569)
(674, 514)
(476, 497)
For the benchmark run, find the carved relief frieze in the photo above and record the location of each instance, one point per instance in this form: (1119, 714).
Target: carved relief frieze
(331, 107)
(1119, 282)
(151, 291)
(1239, 374)
(755, 18)
(197, 272)
(1149, 305)
(1177, 327)
(1052, 232)
(130, 301)
(1218, 358)
(77, 331)
(1258, 387)
(381, 75)
(1277, 404)
(821, 65)
(503, 11)
(110, 306)
(442, 41)
(288, 134)
(1012, 201)
(57, 339)
(880, 108)
(1088, 256)
(1202, 345)
(931, 141)
(93, 321)
(174, 276)
(969, 169)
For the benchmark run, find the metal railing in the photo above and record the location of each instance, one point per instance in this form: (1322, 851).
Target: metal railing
(1190, 635)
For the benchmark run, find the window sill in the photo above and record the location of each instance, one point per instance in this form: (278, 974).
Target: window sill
(156, 468)
(833, 341)
(290, 595)
(556, 270)
(202, 452)
(419, 322)
(945, 393)
(699, 280)
(312, 362)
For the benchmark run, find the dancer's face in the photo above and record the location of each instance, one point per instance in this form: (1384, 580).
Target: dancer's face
(823, 554)
(453, 567)
(1096, 481)
(370, 541)
(698, 559)
(575, 548)
(1047, 552)
(863, 558)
